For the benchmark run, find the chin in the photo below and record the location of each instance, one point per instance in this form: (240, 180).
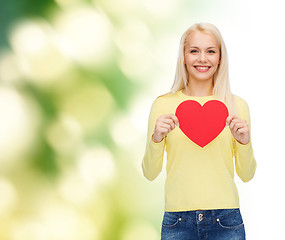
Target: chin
(199, 78)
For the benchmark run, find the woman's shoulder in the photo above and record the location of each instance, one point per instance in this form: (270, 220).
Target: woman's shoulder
(239, 99)
(165, 98)
(165, 103)
(241, 102)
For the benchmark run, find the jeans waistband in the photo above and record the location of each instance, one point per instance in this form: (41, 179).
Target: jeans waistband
(200, 215)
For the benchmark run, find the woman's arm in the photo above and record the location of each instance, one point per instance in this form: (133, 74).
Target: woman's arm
(153, 157)
(245, 162)
(159, 125)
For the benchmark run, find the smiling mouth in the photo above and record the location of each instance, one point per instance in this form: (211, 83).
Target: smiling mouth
(202, 68)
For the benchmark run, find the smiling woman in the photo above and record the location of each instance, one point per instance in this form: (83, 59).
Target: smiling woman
(210, 204)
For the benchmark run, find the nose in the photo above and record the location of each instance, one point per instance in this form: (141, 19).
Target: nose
(203, 57)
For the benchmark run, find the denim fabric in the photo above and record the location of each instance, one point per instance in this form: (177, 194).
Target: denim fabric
(218, 224)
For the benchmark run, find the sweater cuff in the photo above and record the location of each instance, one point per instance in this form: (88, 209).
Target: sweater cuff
(156, 145)
(243, 146)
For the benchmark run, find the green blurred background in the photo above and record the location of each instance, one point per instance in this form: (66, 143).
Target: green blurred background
(77, 82)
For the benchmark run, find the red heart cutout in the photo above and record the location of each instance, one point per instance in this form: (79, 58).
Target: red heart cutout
(202, 124)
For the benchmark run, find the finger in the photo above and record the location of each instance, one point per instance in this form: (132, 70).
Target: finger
(232, 124)
(238, 122)
(235, 121)
(237, 129)
(175, 119)
(242, 130)
(162, 130)
(169, 121)
(166, 126)
(169, 115)
(235, 118)
(229, 119)
(238, 125)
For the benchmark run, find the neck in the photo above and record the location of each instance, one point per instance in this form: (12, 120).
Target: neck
(199, 88)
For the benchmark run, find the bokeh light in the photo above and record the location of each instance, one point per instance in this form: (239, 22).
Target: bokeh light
(139, 230)
(19, 120)
(64, 135)
(8, 198)
(88, 104)
(96, 166)
(39, 57)
(85, 35)
(9, 68)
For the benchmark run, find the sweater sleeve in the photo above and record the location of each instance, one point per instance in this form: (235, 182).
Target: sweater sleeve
(153, 158)
(244, 158)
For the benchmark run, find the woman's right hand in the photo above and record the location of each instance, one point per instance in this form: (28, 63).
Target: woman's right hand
(164, 124)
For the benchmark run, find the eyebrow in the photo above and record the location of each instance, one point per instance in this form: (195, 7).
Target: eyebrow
(198, 47)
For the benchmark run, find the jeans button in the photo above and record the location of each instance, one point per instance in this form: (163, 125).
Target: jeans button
(200, 217)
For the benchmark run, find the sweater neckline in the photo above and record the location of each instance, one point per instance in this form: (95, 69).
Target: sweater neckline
(195, 97)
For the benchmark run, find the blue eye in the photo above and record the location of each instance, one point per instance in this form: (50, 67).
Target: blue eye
(211, 51)
(193, 51)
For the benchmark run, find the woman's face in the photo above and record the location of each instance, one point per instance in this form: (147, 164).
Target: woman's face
(201, 56)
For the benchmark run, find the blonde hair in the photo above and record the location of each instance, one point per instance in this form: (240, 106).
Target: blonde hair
(221, 77)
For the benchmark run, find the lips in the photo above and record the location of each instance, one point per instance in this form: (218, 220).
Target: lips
(202, 68)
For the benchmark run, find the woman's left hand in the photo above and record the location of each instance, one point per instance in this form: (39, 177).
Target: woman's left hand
(239, 129)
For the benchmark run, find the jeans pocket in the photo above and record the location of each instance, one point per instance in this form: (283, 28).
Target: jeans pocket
(170, 220)
(231, 221)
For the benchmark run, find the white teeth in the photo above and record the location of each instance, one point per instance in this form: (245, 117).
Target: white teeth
(202, 68)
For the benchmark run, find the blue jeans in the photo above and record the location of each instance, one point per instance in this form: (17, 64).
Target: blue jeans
(218, 224)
